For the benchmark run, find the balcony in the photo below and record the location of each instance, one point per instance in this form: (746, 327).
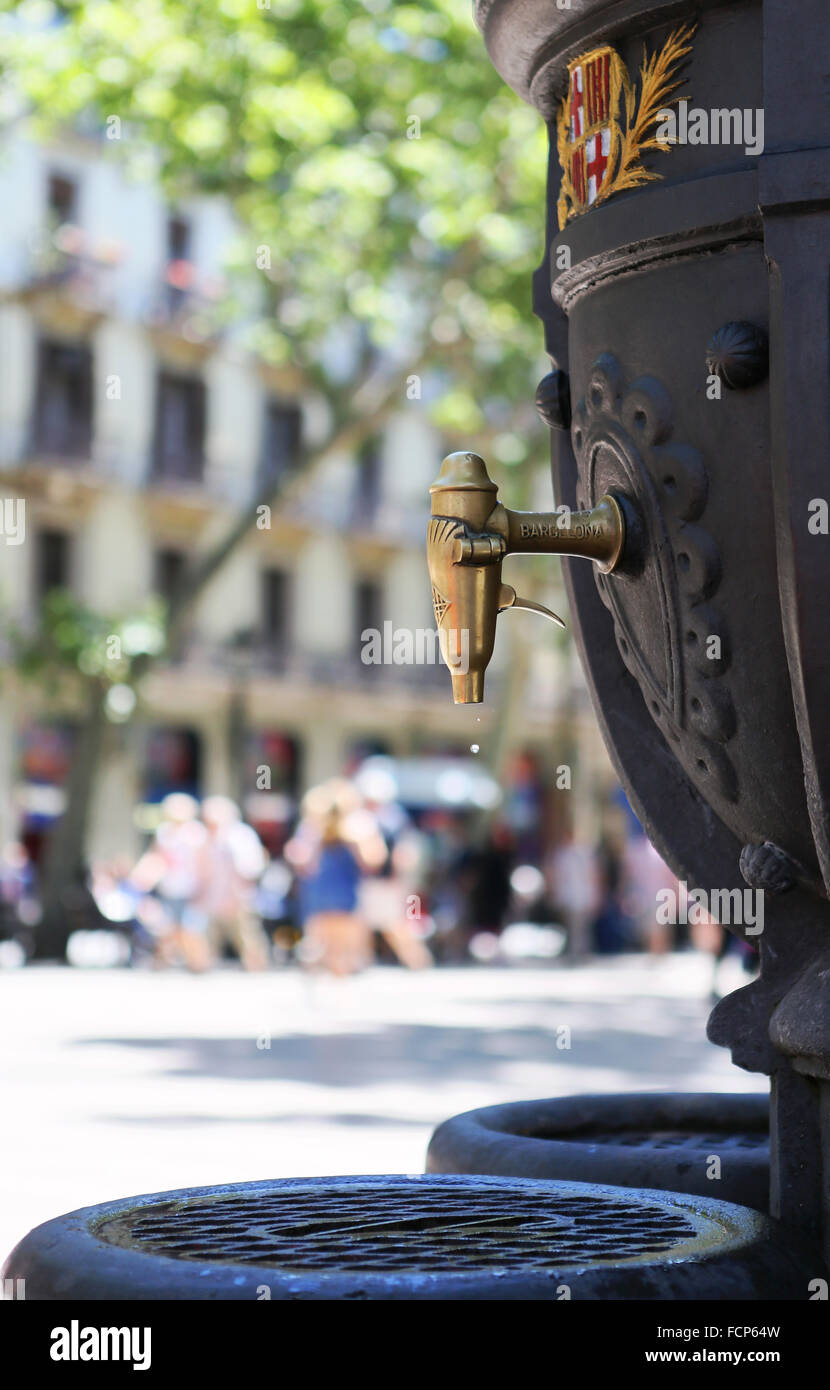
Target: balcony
(327, 671)
(184, 310)
(69, 282)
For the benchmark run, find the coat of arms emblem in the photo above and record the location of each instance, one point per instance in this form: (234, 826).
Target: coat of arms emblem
(602, 129)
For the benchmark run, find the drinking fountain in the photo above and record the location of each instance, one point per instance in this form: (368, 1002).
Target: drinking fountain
(683, 294)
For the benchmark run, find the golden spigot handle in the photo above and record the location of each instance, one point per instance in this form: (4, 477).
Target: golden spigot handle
(508, 598)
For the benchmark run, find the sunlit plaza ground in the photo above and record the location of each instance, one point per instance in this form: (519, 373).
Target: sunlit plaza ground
(122, 1082)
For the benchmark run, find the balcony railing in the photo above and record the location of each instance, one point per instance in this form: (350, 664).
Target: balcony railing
(310, 668)
(81, 271)
(187, 304)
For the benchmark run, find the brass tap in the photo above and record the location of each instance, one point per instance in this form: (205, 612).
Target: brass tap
(469, 534)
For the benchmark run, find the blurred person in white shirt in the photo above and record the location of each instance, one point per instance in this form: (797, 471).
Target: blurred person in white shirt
(577, 892)
(170, 869)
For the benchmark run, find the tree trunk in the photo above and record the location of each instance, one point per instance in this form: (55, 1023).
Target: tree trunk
(63, 864)
(510, 715)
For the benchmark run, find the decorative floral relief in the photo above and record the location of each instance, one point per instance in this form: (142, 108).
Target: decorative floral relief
(670, 636)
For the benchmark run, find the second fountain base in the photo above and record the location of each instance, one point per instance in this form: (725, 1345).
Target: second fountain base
(709, 1145)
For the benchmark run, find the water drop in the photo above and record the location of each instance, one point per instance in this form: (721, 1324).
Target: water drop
(474, 747)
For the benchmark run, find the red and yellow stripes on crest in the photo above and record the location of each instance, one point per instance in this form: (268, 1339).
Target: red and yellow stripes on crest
(597, 93)
(578, 179)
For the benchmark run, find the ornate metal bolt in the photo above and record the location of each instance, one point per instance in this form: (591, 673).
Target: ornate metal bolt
(739, 354)
(553, 400)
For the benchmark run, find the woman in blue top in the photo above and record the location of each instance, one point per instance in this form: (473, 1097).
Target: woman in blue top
(335, 937)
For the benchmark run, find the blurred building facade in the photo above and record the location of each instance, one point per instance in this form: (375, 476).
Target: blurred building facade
(134, 430)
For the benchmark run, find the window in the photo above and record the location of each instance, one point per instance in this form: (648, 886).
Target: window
(278, 751)
(281, 443)
(172, 762)
(62, 200)
(368, 482)
(178, 239)
(178, 452)
(276, 608)
(368, 609)
(178, 275)
(52, 562)
(168, 568)
(63, 400)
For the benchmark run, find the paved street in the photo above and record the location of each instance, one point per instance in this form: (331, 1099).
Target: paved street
(120, 1082)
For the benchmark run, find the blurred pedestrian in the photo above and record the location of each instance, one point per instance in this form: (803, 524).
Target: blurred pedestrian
(645, 877)
(325, 852)
(448, 877)
(576, 891)
(170, 869)
(119, 902)
(231, 862)
(390, 901)
(489, 892)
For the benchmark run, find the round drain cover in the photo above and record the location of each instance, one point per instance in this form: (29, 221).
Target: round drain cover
(438, 1237)
(665, 1140)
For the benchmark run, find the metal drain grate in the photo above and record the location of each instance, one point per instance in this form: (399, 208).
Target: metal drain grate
(714, 1142)
(408, 1226)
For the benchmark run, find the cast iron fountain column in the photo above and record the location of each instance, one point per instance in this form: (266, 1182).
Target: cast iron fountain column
(684, 296)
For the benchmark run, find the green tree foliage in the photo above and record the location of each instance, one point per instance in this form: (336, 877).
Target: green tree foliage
(73, 643)
(393, 179)
(389, 190)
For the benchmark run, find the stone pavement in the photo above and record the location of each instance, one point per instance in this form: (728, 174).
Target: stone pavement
(121, 1082)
